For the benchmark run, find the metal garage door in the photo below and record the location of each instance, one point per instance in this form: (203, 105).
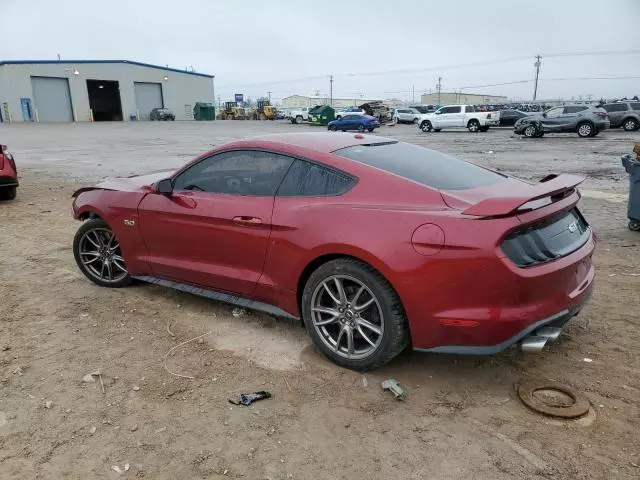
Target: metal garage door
(52, 99)
(148, 97)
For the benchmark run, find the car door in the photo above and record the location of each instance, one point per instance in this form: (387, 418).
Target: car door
(616, 112)
(570, 117)
(351, 122)
(450, 116)
(213, 229)
(551, 119)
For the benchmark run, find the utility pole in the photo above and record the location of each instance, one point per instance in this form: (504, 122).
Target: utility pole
(439, 87)
(535, 86)
(331, 90)
(413, 94)
(269, 95)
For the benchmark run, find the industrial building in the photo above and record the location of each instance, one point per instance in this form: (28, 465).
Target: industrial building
(97, 90)
(298, 101)
(448, 98)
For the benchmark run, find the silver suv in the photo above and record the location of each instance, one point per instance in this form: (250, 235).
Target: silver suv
(585, 120)
(624, 114)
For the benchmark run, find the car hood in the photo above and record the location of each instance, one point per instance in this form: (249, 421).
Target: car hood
(135, 183)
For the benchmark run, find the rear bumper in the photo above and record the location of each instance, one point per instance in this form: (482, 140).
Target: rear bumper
(6, 181)
(492, 123)
(604, 125)
(557, 320)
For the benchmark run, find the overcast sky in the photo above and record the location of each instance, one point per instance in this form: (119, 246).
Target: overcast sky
(255, 46)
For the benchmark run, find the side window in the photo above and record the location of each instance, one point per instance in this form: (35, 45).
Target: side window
(575, 108)
(457, 109)
(635, 106)
(469, 109)
(616, 107)
(241, 172)
(306, 179)
(555, 112)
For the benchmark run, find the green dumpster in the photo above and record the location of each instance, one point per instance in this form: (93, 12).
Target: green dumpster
(204, 111)
(321, 115)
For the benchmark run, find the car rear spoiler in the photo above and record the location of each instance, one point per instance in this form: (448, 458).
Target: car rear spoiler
(551, 187)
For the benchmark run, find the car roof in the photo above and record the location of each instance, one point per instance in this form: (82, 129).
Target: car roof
(324, 142)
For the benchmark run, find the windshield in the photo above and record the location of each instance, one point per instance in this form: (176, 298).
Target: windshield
(428, 167)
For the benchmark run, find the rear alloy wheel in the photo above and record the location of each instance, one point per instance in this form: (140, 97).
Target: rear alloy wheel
(426, 126)
(332, 128)
(361, 128)
(630, 124)
(531, 131)
(98, 254)
(8, 193)
(585, 130)
(299, 119)
(353, 315)
(473, 126)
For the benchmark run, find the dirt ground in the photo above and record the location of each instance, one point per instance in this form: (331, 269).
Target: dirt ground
(461, 420)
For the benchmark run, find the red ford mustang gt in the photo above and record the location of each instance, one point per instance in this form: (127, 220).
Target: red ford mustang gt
(8, 175)
(374, 243)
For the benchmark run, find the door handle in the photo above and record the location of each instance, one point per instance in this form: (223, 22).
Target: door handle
(246, 220)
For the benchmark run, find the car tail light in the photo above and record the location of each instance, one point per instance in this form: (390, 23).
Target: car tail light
(488, 115)
(601, 114)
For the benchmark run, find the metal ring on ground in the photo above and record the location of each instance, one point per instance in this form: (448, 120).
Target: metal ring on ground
(579, 407)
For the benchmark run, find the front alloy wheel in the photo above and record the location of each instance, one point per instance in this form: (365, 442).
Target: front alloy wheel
(530, 131)
(353, 315)
(98, 254)
(585, 130)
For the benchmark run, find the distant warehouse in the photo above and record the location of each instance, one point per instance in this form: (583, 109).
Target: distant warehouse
(448, 98)
(97, 90)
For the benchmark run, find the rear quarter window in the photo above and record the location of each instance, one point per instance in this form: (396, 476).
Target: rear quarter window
(635, 106)
(427, 167)
(306, 179)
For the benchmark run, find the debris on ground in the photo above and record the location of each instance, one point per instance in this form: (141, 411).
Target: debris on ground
(365, 383)
(392, 385)
(92, 430)
(117, 469)
(588, 360)
(48, 404)
(88, 378)
(550, 404)
(247, 399)
(238, 312)
(136, 388)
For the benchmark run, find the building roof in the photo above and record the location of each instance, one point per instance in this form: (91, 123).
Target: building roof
(78, 62)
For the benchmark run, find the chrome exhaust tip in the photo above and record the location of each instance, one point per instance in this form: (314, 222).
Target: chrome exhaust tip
(533, 343)
(550, 333)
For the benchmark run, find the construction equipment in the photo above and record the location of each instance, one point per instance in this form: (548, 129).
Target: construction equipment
(231, 111)
(263, 111)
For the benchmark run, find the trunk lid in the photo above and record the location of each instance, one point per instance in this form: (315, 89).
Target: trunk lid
(511, 196)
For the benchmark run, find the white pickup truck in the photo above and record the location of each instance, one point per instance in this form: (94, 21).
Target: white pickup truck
(299, 115)
(458, 116)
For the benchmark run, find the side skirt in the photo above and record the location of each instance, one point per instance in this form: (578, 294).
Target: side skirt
(219, 296)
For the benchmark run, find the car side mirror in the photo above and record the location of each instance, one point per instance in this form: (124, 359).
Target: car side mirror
(164, 187)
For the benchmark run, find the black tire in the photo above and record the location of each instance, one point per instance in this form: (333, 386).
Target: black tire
(426, 126)
(299, 119)
(332, 128)
(8, 193)
(540, 135)
(343, 130)
(95, 224)
(361, 128)
(395, 330)
(531, 131)
(585, 129)
(634, 225)
(630, 124)
(415, 121)
(484, 129)
(370, 130)
(473, 126)
(437, 129)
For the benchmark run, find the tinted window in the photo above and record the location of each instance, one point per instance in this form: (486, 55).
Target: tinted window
(308, 179)
(348, 117)
(575, 108)
(635, 106)
(428, 167)
(469, 108)
(237, 173)
(616, 107)
(421, 109)
(451, 109)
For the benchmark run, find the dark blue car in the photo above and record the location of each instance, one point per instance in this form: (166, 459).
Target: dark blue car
(354, 122)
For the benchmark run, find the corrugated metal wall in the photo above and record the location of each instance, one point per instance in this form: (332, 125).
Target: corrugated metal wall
(52, 99)
(148, 97)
